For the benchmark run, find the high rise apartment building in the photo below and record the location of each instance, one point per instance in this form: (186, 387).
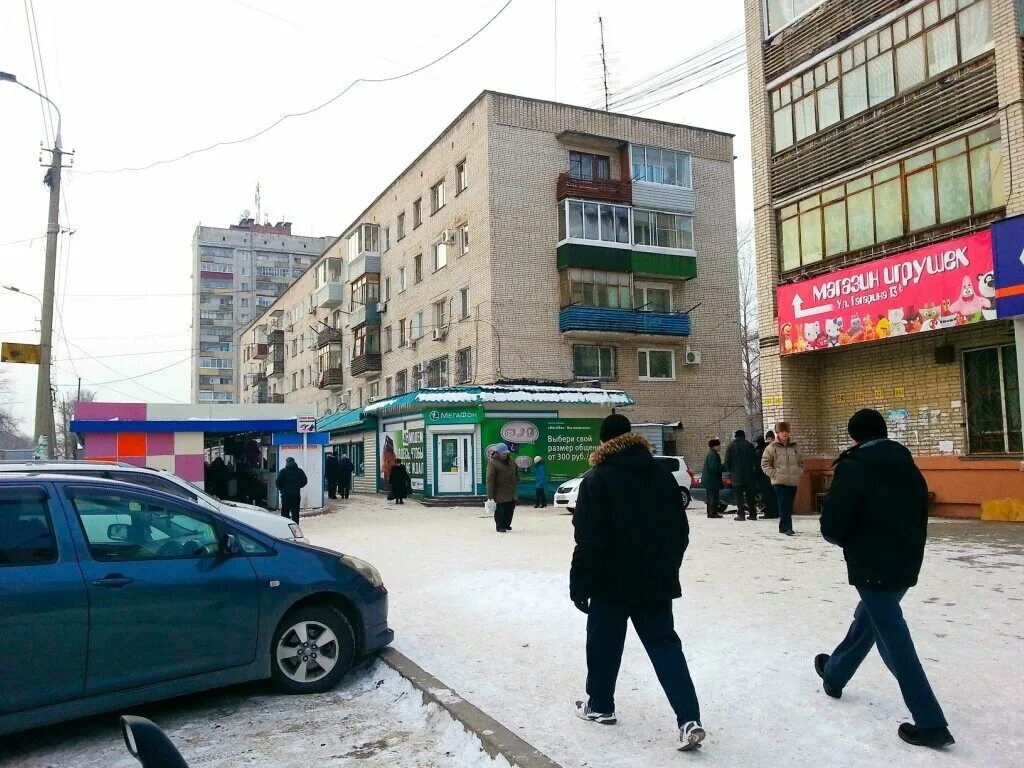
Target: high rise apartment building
(888, 149)
(237, 273)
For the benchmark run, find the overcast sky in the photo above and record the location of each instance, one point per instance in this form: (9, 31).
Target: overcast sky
(139, 81)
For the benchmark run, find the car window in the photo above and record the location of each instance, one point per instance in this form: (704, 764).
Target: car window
(26, 531)
(669, 463)
(121, 527)
(252, 547)
(154, 481)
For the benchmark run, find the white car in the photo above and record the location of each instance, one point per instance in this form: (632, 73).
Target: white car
(269, 523)
(566, 493)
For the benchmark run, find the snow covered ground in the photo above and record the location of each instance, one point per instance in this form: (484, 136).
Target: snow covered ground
(375, 719)
(489, 615)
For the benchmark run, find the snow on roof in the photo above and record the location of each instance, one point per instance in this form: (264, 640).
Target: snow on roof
(499, 393)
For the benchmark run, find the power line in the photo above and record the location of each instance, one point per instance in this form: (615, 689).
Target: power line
(35, 66)
(345, 90)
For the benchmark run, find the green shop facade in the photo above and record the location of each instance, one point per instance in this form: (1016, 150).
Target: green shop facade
(444, 436)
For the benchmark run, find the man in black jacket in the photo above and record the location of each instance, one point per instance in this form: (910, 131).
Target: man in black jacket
(631, 533)
(877, 511)
(290, 482)
(741, 461)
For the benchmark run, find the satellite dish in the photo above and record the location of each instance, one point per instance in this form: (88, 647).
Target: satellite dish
(246, 214)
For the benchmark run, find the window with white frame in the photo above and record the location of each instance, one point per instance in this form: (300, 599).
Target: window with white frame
(464, 238)
(215, 362)
(464, 365)
(417, 326)
(417, 212)
(663, 230)
(389, 387)
(385, 339)
(400, 226)
(601, 222)
(461, 180)
(417, 376)
(661, 166)
(401, 332)
(366, 238)
(652, 297)
(656, 364)
(387, 238)
(992, 390)
(593, 362)
(437, 198)
(440, 255)
(441, 314)
(386, 295)
(417, 268)
(401, 280)
(374, 390)
(779, 13)
(464, 303)
(596, 288)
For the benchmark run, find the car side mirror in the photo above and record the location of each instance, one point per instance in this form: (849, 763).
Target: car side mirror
(118, 532)
(229, 545)
(150, 745)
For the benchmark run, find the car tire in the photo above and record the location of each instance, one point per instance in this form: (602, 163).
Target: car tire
(299, 663)
(686, 498)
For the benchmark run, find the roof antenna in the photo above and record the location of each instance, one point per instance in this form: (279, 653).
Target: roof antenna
(604, 63)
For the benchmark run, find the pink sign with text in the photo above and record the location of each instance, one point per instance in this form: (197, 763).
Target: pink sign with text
(944, 285)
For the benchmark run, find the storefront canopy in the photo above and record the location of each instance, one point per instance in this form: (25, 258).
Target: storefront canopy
(498, 394)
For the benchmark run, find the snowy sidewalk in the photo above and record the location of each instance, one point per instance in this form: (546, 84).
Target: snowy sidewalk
(489, 614)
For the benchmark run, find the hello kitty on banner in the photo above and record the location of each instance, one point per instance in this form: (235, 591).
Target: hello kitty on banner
(944, 285)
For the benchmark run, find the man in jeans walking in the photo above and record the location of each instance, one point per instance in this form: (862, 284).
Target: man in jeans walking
(877, 511)
(631, 533)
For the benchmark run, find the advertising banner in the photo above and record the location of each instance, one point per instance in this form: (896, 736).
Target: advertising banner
(408, 445)
(473, 414)
(565, 444)
(1008, 245)
(944, 285)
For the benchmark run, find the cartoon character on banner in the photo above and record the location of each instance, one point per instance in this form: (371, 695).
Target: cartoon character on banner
(987, 290)
(897, 322)
(970, 303)
(856, 330)
(869, 328)
(787, 338)
(833, 330)
(883, 328)
(815, 339)
(930, 314)
(913, 320)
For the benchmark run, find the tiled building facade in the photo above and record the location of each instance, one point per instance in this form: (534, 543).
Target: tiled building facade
(530, 241)
(885, 133)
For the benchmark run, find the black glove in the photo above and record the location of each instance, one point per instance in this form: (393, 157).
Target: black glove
(583, 605)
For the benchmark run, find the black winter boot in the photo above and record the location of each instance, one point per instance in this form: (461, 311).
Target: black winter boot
(935, 738)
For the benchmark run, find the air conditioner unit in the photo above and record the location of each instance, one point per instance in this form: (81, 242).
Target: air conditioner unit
(692, 357)
(372, 399)
(448, 237)
(382, 306)
(438, 334)
(412, 343)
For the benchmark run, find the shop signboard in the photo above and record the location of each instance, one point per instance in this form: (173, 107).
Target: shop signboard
(468, 415)
(944, 285)
(565, 444)
(408, 445)
(1008, 246)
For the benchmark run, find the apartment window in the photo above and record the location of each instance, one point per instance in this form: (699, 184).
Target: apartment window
(386, 339)
(464, 366)
(417, 213)
(583, 165)
(661, 166)
(590, 362)
(366, 238)
(437, 372)
(302, 379)
(401, 332)
(952, 181)
(389, 388)
(664, 230)
(460, 177)
(992, 387)
(440, 255)
(441, 315)
(215, 362)
(387, 289)
(652, 298)
(464, 303)
(366, 290)
(401, 280)
(386, 232)
(417, 376)
(655, 364)
(900, 56)
(400, 382)
(417, 268)
(595, 288)
(295, 381)
(416, 327)
(464, 238)
(366, 341)
(374, 392)
(779, 13)
(400, 226)
(437, 199)
(593, 221)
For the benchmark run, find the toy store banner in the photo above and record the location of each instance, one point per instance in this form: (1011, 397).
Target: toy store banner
(944, 285)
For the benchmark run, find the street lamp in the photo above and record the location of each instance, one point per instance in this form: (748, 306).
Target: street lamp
(10, 78)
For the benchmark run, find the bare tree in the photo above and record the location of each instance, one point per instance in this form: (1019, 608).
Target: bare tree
(67, 442)
(11, 435)
(749, 337)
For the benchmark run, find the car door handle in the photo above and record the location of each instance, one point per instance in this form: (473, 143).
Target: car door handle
(114, 580)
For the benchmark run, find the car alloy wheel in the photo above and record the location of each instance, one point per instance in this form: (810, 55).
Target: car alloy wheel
(307, 651)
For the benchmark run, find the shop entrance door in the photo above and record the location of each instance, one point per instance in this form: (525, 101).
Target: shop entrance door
(454, 464)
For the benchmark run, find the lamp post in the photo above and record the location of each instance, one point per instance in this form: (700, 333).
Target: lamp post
(44, 400)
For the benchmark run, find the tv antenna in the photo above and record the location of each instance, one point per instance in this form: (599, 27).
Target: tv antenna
(604, 63)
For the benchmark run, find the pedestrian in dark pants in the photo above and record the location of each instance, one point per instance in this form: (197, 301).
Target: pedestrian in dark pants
(345, 471)
(783, 463)
(877, 511)
(331, 474)
(290, 482)
(769, 503)
(502, 487)
(631, 533)
(400, 482)
(711, 476)
(540, 479)
(741, 461)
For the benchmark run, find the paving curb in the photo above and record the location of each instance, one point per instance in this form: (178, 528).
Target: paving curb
(495, 738)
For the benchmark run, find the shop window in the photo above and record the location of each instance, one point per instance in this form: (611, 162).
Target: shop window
(991, 386)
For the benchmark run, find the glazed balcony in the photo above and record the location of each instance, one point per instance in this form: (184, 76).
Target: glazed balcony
(364, 314)
(257, 352)
(626, 321)
(605, 190)
(367, 365)
(640, 260)
(329, 295)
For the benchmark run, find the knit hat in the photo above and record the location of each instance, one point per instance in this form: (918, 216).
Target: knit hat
(500, 449)
(289, 460)
(867, 424)
(613, 426)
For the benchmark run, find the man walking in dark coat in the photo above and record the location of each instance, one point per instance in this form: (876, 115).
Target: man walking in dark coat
(400, 482)
(331, 472)
(711, 476)
(290, 482)
(741, 461)
(631, 533)
(877, 511)
(345, 471)
(765, 489)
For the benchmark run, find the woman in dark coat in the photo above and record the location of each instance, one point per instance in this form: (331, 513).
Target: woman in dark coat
(400, 482)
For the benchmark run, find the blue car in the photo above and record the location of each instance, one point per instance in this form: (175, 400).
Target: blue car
(112, 595)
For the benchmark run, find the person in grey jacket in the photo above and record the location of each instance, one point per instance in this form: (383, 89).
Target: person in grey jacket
(783, 462)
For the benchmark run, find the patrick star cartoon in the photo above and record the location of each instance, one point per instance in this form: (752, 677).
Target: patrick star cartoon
(969, 303)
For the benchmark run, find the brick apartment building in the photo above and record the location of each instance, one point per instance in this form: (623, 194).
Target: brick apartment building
(531, 241)
(888, 153)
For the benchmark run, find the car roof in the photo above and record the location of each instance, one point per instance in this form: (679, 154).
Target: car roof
(9, 478)
(58, 467)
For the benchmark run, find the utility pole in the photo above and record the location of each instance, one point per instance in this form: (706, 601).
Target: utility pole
(604, 63)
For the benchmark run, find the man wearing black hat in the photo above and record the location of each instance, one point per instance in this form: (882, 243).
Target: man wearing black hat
(741, 461)
(877, 511)
(631, 533)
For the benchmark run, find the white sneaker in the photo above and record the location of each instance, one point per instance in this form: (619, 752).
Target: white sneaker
(584, 712)
(690, 736)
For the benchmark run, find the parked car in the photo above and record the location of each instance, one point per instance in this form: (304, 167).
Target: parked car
(269, 522)
(566, 493)
(112, 595)
(726, 496)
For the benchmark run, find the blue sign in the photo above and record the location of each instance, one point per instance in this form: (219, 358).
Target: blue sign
(1008, 255)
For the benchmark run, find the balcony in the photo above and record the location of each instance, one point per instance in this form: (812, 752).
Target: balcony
(329, 295)
(640, 260)
(332, 378)
(275, 363)
(276, 337)
(367, 366)
(605, 190)
(628, 321)
(364, 314)
(276, 399)
(260, 395)
(366, 263)
(257, 352)
(327, 337)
